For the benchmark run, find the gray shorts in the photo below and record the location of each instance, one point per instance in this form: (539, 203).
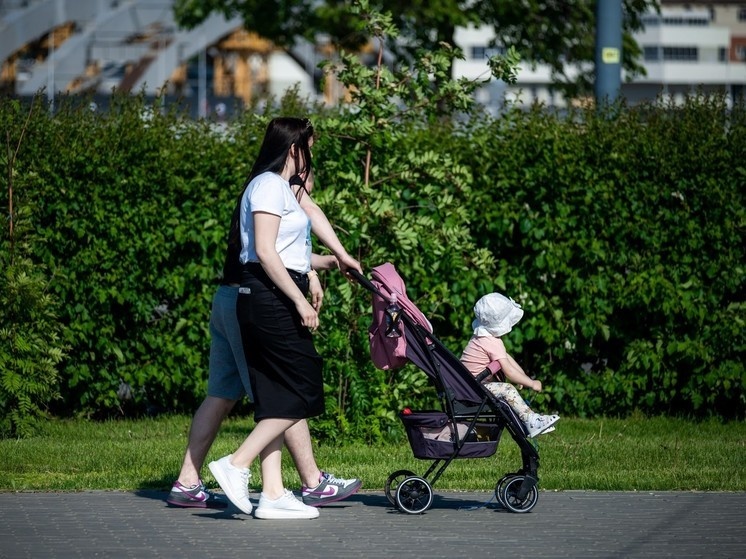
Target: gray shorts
(229, 374)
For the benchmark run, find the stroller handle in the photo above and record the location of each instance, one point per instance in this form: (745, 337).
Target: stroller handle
(362, 280)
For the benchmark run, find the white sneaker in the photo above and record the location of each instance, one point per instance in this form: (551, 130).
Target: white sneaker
(287, 507)
(538, 424)
(234, 481)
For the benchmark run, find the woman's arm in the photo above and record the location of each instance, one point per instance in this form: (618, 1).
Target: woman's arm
(325, 232)
(324, 261)
(266, 227)
(319, 262)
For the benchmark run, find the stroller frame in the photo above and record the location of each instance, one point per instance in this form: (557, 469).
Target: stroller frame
(471, 412)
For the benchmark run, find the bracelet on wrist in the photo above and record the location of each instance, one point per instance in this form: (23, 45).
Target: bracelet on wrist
(312, 273)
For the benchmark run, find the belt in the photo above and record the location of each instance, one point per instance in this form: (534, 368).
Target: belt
(256, 269)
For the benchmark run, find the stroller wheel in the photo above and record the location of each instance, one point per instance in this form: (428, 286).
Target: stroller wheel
(414, 495)
(500, 487)
(511, 498)
(393, 482)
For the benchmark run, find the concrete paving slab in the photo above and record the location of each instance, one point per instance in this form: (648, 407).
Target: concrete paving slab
(570, 524)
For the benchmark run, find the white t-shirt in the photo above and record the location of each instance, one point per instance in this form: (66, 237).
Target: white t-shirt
(270, 193)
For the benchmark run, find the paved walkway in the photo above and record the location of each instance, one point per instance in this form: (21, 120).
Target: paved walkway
(572, 524)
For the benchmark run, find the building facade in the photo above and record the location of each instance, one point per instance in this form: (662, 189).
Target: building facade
(687, 48)
(84, 46)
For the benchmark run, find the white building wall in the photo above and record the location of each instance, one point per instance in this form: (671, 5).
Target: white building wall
(685, 36)
(286, 73)
(533, 81)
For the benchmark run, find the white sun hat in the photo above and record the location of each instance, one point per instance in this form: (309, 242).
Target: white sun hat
(495, 315)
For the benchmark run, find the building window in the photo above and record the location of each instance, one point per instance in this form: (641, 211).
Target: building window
(688, 20)
(722, 54)
(651, 54)
(742, 14)
(741, 52)
(681, 54)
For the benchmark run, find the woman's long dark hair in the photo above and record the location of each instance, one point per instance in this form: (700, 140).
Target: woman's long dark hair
(282, 133)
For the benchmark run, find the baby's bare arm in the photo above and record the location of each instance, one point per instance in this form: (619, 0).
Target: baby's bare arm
(515, 374)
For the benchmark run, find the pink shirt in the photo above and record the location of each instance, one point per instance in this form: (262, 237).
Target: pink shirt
(481, 351)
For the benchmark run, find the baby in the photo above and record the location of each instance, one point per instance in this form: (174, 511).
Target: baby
(495, 316)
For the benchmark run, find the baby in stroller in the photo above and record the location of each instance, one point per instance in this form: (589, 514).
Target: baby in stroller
(487, 359)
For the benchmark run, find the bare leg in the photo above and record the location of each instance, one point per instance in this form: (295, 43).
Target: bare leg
(298, 442)
(271, 458)
(202, 433)
(265, 439)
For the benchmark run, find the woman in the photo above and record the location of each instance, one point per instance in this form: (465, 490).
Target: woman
(270, 242)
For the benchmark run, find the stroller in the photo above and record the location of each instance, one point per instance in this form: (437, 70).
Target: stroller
(472, 419)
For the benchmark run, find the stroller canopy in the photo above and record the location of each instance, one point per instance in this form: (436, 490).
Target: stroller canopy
(417, 343)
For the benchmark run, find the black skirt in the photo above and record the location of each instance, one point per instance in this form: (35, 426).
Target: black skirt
(284, 367)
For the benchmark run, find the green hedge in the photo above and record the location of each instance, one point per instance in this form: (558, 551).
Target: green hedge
(621, 234)
(624, 237)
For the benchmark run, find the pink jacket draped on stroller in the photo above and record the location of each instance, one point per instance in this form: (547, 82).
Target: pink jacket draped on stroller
(390, 352)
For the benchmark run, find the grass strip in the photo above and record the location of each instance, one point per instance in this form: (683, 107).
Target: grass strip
(636, 454)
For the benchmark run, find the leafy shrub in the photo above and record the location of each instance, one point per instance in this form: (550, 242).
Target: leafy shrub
(620, 233)
(30, 343)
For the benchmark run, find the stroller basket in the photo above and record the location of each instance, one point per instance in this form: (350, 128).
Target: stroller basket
(431, 436)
